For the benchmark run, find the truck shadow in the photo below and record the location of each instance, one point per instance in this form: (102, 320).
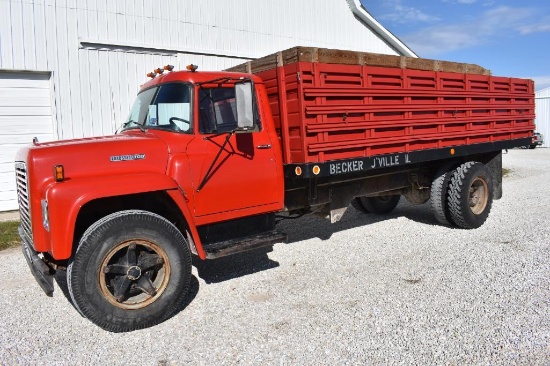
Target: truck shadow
(233, 266)
(309, 227)
(304, 228)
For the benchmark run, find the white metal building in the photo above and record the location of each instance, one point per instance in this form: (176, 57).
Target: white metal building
(542, 110)
(71, 69)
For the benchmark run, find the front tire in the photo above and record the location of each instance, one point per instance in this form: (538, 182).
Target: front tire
(470, 195)
(131, 271)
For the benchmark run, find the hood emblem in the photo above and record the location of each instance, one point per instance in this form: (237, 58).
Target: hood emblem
(116, 158)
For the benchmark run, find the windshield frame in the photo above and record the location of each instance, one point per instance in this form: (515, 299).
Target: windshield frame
(131, 125)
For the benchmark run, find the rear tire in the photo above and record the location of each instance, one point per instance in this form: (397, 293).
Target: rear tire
(131, 271)
(470, 195)
(377, 205)
(438, 194)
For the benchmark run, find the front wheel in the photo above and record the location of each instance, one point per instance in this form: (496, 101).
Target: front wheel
(131, 271)
(470, 195)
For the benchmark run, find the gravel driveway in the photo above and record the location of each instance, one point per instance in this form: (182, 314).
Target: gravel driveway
(391, 289)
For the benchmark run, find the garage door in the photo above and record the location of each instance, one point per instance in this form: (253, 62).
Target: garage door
(25, 112)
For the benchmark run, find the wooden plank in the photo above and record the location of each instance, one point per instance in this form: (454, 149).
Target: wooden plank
(331, 56)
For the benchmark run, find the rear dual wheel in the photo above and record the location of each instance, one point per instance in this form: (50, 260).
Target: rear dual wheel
(131, 271)
(470, 195)
(438, 194)
(462, 196)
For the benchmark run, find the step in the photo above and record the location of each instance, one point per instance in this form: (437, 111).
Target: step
(224, 248)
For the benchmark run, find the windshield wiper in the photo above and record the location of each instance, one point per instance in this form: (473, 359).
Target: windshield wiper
(126, 124)
(223, 80)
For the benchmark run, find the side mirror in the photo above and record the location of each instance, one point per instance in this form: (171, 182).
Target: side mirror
(244, 101)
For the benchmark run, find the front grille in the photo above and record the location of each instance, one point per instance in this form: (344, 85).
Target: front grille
(24, 199)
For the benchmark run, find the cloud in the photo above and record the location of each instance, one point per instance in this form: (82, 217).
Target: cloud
(468, 2)
(503, 20)
(400, 13)
(460, 1)
(541, 82)
(534, 28)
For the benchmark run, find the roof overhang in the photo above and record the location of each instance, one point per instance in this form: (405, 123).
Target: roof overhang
(360, 12)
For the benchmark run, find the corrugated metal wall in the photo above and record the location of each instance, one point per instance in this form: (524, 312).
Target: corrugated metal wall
(99, 51)
(542, 110)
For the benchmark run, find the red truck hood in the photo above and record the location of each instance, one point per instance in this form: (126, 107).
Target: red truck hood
(118, 154)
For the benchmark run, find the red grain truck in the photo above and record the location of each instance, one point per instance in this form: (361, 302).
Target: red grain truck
(206, 160)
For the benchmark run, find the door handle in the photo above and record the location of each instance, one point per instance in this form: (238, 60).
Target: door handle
(267, 146)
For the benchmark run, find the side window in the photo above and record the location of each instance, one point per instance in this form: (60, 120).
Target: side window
(218, 110)
(171, 108)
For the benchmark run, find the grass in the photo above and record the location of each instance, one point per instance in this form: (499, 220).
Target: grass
(9, 237)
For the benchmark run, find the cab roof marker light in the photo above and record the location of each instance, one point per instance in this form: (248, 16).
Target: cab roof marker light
(192, 67)
(152, 74)
(168, 67)
(159, 71)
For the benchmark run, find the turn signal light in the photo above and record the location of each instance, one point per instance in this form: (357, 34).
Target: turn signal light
(192, 67)
(59, 173)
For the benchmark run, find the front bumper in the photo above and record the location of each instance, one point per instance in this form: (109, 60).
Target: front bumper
(39, 268)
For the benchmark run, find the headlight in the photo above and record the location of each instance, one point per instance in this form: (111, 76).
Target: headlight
(45, 216)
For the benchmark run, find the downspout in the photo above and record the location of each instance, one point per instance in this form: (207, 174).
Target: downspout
(360, 12)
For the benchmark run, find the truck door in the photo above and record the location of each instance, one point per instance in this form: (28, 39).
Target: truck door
(231, 171)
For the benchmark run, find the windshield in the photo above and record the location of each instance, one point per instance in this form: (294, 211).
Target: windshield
(165, 107)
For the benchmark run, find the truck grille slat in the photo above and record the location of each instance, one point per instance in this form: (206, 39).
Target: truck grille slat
(23, 199)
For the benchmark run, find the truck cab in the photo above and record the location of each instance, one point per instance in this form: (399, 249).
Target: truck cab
(198, 152)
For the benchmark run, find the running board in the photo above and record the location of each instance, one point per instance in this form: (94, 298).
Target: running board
(224, 248)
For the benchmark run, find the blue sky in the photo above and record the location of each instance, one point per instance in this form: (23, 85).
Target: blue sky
(511, 38)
